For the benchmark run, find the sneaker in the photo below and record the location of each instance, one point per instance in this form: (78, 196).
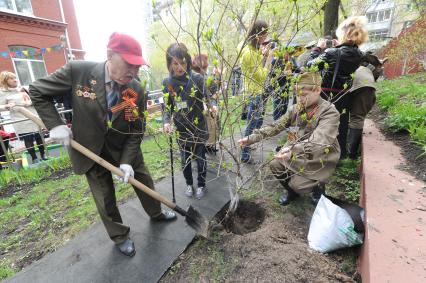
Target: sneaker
(200, 192)
(189, 191)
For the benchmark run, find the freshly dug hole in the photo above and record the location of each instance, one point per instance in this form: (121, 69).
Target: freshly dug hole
(247, 218)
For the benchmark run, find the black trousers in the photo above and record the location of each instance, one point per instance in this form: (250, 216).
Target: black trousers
(29, 139)
(342, 102)
(198, 151)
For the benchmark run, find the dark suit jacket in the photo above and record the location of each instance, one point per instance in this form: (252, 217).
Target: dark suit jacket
(120, 143)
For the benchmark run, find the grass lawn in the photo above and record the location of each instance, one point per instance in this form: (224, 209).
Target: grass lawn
(404, 100)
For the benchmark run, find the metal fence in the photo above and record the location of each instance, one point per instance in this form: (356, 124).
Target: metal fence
(14, 146)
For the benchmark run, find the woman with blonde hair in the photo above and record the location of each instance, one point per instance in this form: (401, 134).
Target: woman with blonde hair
(337, 60)
(11, 97)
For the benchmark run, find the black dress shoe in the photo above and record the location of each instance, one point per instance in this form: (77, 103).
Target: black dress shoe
(285, 199)
(127, 248)
(317, 192)
(166, 215)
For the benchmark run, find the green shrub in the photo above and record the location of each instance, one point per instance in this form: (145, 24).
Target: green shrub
(386, 100)
(418, 133)
(404, 116)
(404, 100)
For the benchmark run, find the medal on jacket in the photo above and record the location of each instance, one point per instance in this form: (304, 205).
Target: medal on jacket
(131, 110)
(86, 92)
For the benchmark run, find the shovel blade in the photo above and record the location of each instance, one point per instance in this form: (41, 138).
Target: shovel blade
(197, 221)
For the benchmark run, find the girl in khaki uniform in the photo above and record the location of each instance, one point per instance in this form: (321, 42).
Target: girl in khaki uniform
(312, 151)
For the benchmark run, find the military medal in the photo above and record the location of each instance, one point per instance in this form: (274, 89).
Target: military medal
(86, 91)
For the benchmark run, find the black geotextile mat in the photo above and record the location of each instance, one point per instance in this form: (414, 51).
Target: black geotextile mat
(92, 256)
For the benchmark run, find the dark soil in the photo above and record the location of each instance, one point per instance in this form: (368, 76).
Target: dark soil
(14, 188)
(248, 218)
(416, 164)
(262, 242)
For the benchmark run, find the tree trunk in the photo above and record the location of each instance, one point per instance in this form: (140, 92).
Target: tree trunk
(331, 16)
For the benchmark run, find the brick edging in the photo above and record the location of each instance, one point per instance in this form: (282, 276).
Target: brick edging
(394, 248)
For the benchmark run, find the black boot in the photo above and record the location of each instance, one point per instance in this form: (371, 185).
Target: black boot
(354, 139)
(288, 197)
(42, 153)
(289, 194)
(317, 191)
(343, 135)
(32, 152)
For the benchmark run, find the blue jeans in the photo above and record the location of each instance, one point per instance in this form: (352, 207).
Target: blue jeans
(255, 113)
(280, 106)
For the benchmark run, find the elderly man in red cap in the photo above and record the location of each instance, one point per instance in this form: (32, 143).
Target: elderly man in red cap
(97, 92)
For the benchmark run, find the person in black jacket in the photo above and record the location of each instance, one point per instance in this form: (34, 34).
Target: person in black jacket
(337, 65)
(184, 93)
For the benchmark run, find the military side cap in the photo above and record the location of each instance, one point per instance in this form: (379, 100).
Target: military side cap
(309, 79)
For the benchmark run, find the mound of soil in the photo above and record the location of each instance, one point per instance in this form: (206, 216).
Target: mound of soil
(416, 164)
(277, 251)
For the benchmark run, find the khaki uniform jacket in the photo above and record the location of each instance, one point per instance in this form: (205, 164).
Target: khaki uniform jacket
(13, 95)
(314, 146)
(84, 83)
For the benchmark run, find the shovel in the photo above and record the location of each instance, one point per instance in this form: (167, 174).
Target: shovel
(194, 219)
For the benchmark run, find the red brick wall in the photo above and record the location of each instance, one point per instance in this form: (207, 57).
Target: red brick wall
(18, 30)
(395, 66)
(47, 9)
(15, 34)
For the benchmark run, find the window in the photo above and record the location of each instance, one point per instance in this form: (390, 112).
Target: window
(379, 16)
(378, 35)
(20, 6)
(29, 64)
(387, 15)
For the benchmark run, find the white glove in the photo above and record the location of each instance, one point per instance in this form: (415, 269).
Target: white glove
(128, 171)
(61, 134)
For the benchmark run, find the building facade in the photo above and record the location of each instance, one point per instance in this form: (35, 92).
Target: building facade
(37, 37)
(386, 20)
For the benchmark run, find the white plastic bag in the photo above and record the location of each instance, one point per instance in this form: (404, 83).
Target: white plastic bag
(331, 228)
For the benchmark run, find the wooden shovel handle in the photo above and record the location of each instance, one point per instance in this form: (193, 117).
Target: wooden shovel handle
(86, 152)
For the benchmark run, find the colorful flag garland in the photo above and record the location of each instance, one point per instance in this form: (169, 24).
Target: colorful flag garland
(31, 52)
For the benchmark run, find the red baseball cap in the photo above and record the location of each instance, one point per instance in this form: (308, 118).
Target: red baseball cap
(128, 47)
